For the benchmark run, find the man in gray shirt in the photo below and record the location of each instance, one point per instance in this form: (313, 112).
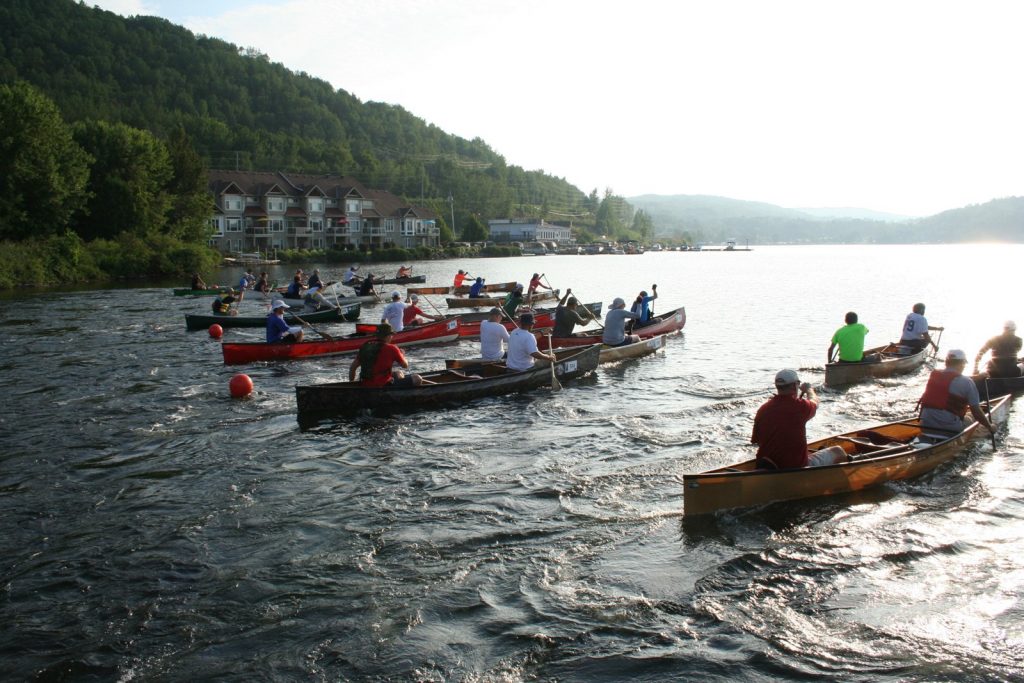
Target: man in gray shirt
(949, 395)
(615, 324)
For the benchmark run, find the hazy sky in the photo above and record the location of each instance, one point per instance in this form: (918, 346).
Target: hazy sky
(906, 106)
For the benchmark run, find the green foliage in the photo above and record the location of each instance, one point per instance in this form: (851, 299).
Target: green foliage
(42, 171)
(132, 256)
(51, 260)
(473, 230)
(130, 173)
(189, 215)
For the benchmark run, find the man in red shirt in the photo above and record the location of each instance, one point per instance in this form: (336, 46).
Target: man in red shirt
(780, 427)
(460, 277)
(412, 309)
(376, 357)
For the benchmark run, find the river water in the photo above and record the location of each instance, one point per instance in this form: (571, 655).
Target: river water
(156, 529)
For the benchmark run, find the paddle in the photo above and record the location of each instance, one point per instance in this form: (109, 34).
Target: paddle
(590, 314)
(988, 411)
(555, 384)
(936, 343)
(313, 327)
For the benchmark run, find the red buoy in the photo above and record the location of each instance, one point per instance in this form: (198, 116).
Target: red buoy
(240, 385)
(216, 331)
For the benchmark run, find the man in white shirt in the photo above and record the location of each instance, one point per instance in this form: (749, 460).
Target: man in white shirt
(394, 313)
(522, 346)
(915, 330)
(492, 334)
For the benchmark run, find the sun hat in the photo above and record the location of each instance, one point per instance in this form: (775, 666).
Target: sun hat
(618, 303)
(384, 329)
(956, 355)
(278, 304)
(1010, 325)
(526, 319)
(784, 378)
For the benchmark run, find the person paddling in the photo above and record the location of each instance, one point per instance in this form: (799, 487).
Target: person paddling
(375, 361)
(279, 331)
(915, 330)
(566, 316)
(948, 395)
(1005, 348)
(197, 282)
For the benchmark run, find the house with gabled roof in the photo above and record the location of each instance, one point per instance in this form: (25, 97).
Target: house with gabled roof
(264, 211)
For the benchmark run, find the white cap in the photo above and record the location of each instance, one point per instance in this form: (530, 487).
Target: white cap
(956, 355)
(618, 303)
(396, 295)
(786, 377)
(278, 304)
(1010, 325)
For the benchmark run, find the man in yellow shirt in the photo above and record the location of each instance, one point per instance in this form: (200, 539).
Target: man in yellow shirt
(850, 340)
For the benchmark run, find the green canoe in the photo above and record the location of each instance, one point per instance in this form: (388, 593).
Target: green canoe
(203, 321)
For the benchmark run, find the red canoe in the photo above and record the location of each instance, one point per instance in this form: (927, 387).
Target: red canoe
(236, 353)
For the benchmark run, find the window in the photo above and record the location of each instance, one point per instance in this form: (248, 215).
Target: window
(316, 226)
(233, 204)
(408, 227)
(318, 243)
(316, 205)
(277, 225)
(352, 206)
(216, 228)
(275, 204)
(234, 225)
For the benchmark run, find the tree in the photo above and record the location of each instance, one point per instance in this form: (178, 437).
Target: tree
(189, 215)
(643, 226)
(43, 173)
(130, 175)
(473, 230)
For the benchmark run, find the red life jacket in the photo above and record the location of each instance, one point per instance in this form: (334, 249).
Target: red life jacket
(937, 394)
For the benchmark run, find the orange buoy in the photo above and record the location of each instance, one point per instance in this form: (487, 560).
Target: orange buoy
(240, 385)
(216, 331)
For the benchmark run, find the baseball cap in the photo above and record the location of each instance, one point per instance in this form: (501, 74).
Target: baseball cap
(1010, 325)
(955, 355)
(786, 377)
(278, 304)
(396, 295)
(495, 311)
(618, 303)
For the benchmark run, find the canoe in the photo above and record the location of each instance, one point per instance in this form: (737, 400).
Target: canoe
(488, 287)
(236, 353)
(542, 318)
(430, 290)
(997, 386)
(458, 302)
(882, 453)
(452, 387)
(890, 362)
(410, 280)
(609, 354)
(188, 291)
(673, 321)
(342, 300)
(203, 321)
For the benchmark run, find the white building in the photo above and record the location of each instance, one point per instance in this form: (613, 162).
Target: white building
(528, 230)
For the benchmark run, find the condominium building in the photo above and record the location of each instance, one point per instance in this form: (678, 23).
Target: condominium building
(264, 211)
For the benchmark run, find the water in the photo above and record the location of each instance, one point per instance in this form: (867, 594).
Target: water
(155, 529)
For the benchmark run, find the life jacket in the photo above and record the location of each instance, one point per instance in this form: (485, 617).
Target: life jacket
(368, 353)
(937, 394)
(222, 304)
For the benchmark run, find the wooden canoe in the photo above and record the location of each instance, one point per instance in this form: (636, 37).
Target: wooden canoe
(188, 291)
(882, 453)
(409, 280)
(350, 398)
(542, 318)
(467, 302)
(203, 321)
(236, 353)
(492, 287)
(890, 362)
(430, 290)
(997, 386)
(341, 300)
(671, 322)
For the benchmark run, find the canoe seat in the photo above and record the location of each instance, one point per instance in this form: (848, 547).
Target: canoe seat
(867, 444)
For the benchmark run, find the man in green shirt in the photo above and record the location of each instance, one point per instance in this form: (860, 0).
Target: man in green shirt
(850, 339)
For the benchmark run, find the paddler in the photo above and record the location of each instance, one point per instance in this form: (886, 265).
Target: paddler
(375, 360)
(197, 282)
(492, 335)
(1005, 348)
(915, 330)
(412, 309)
(566, 316)
(221, 304)
(948, 395)
(780, 427)
(850, 340)
(279, 331)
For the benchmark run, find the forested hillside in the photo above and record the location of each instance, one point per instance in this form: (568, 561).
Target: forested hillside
(704, 219)
(242, 111)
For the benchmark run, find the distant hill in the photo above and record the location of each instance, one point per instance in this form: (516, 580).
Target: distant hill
(700, 218)
(850, 212)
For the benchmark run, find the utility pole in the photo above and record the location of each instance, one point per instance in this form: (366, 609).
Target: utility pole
(451, 200)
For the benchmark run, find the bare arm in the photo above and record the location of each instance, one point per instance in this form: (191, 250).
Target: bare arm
(352, 369)
(980, 416)
(831, 348)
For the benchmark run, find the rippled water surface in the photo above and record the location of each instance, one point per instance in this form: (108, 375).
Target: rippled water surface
(156, 529)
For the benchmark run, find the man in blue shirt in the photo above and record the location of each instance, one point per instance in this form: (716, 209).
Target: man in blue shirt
(278, 331)
(642, 305)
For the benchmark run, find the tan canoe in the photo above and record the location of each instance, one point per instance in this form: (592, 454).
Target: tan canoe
(456, 302)
(882, 453)
(890, 361)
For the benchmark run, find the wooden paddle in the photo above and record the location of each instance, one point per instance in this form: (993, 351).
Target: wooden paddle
(988, 411)
(936, 343)
(590, 314)
(313, 327)
(555, 384)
